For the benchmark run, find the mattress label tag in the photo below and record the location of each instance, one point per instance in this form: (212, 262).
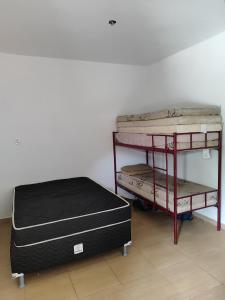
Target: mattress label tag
(79, 248)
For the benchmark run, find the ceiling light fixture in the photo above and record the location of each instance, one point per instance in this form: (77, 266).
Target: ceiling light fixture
(112, 22)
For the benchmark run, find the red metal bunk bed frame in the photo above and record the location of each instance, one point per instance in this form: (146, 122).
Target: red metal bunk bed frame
(174, 152)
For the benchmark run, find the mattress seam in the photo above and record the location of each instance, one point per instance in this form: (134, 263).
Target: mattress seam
(73, 234)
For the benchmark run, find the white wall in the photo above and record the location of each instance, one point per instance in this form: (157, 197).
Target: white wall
(196, 75)
(64, 113)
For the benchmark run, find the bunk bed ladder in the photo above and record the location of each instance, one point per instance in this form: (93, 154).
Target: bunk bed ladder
(219, 181)
(175, 226)
(167, 182)
(165, 170)
(153, 172)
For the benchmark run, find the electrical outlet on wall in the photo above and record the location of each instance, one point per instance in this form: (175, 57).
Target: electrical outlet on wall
(17, 141)
(206, 154)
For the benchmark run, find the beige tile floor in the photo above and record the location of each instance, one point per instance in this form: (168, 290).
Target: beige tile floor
(155, 269)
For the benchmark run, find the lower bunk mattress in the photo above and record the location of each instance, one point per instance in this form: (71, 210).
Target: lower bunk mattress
(62, 220)
(143, 185)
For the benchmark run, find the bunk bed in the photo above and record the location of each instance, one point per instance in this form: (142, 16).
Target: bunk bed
(169, 193)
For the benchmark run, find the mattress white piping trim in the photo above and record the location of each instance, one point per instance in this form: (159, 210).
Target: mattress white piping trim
(62, 220)
(73, 234)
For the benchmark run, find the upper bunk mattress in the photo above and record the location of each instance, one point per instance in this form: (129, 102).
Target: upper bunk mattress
(183, 141)
(170, 129)
(171, 113)
(51, 210)
(184, 120)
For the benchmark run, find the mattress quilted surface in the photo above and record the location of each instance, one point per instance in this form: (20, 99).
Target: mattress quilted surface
(57, 208)
(172, 112)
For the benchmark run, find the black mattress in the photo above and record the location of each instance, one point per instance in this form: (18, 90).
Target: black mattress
(49, 211)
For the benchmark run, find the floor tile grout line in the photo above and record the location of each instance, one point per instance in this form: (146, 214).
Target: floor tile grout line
(205, 271)
(102, 289)
(122, 283)
(73, 286)
(211, 275)
(114, 273)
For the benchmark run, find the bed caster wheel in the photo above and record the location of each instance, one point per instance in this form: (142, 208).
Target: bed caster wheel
(21, 279)
(125, 249)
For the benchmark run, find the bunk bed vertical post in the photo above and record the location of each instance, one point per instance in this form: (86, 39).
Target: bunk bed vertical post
(153, 170)
(219, 181)
(114, 159)
(175, 229)
(167, 184)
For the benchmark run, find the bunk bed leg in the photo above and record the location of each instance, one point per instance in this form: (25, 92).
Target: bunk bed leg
(175, 230)
(219, 182)
(218, 219)
(114, 159)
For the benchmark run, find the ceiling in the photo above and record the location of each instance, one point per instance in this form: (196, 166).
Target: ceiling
(146, 30)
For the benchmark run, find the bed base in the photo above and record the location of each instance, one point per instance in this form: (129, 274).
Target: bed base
(34, 258)
(174, 153)
(21, 277)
